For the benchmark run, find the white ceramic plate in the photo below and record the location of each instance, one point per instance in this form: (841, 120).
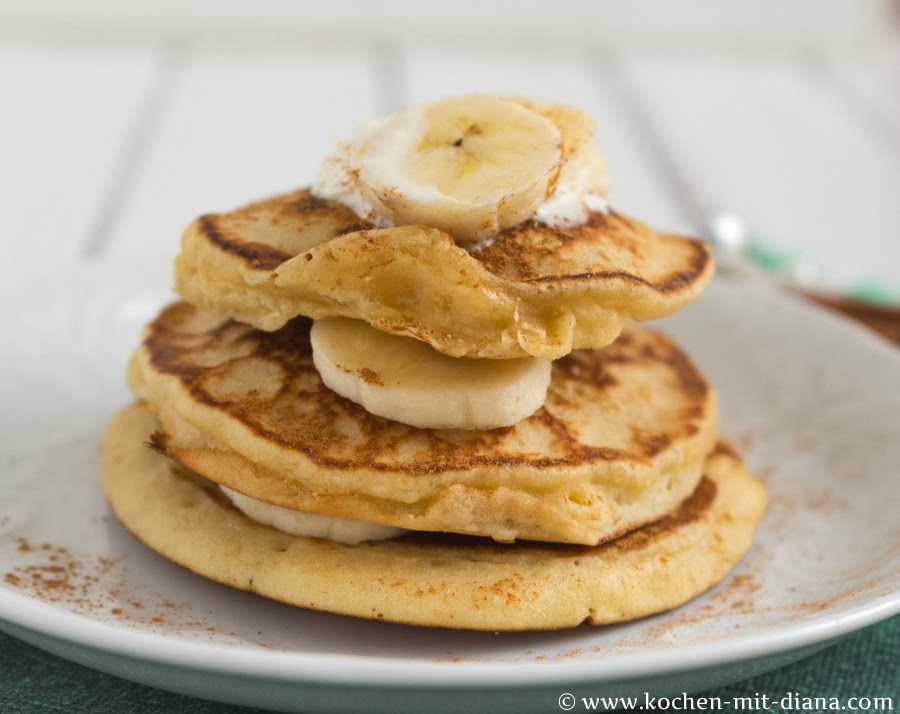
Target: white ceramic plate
(813, 402)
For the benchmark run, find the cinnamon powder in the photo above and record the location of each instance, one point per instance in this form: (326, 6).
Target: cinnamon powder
(53, 574)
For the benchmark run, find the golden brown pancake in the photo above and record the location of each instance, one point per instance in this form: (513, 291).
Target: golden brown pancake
(432, 579)
(620, 441)
(535, 290)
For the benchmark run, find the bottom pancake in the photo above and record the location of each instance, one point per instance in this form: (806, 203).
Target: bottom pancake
(429, 579)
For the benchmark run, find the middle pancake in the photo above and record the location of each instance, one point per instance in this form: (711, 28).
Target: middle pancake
(620, 441)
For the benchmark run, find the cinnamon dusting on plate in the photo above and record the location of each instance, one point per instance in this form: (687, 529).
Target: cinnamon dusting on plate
(94, 586)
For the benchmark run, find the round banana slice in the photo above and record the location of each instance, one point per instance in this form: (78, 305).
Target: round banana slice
(471, 166)
(312, 525)
(403, 379)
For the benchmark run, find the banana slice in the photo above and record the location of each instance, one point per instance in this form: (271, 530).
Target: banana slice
(312, 525)
(471, 166)
(403, 379)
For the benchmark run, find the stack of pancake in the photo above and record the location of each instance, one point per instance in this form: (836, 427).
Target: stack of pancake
(413, 392)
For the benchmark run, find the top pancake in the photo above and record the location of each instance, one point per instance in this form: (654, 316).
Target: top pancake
(533, 290)
(620, 441)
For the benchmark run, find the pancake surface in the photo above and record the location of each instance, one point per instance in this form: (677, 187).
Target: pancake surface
(535, 290)
(620, 441)
(434, 580)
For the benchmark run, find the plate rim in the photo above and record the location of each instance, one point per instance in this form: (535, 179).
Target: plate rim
(367, 670)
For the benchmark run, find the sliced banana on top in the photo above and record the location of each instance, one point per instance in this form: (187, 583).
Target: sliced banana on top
(405, 380)
(471, 166)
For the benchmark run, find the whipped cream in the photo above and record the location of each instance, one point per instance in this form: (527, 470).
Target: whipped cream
(312, 525)
(576, 195)
(338, 178)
